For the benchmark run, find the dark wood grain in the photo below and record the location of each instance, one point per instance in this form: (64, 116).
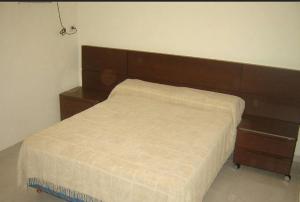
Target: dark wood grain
(103, 68)
(270, 145)
(277, 83)
(85, 94)
(272, 126)
(77, 100)
(104, 80)
(95, 58)
(271, 92)
(276, 108)
(266, 143)
(259, 160)
(185, 71)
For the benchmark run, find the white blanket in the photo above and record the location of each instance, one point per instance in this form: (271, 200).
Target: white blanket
(146, 143)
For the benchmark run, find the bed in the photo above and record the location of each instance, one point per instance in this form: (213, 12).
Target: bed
(146, 142)
(164, 132)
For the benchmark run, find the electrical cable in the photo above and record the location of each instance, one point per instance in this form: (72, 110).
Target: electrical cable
(63, 30)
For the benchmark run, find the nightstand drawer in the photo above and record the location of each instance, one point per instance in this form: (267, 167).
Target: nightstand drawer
(70, 106)
(259, 160)
(266, 143)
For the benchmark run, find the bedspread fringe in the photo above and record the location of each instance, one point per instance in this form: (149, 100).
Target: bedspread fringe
(59, 191)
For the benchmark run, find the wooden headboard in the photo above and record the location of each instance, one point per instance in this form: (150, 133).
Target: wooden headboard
(268, 91)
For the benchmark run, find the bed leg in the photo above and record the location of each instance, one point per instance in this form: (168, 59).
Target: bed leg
(39, 191)
(237, 166)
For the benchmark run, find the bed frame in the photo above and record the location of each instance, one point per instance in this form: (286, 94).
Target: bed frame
(268, 92)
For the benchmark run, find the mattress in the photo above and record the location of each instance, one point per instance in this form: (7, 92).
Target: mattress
(146, 142)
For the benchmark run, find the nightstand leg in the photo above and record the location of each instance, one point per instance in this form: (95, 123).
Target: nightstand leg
(237, 166)
(287, 178)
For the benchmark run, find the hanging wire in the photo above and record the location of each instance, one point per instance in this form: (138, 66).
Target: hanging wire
(63, 30)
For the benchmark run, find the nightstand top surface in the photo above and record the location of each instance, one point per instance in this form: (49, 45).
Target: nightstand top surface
(85, 94)
(270, 126)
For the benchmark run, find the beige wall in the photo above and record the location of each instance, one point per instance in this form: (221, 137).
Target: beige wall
(36, 64)
(258, 33)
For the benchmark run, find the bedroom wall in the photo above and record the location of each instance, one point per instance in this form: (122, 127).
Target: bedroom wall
(36, 64)
(264, 33)
(252, 32)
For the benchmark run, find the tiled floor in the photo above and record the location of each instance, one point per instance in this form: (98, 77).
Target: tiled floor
(231, 185)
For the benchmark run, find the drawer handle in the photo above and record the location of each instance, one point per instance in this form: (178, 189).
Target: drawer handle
(269, 134)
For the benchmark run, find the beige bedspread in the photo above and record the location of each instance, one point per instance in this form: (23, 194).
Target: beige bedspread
(146, 143)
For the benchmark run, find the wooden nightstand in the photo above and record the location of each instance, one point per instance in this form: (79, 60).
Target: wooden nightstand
(266, 143)
(78, 99)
